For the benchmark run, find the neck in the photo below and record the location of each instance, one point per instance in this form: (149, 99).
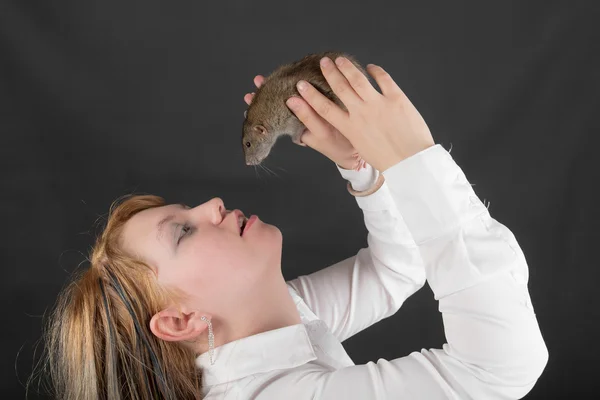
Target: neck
(272, 308)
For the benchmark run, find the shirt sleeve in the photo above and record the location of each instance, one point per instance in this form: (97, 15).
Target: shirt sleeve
(479, 275)
(359, 291)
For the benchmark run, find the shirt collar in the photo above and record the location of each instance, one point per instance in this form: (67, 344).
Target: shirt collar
(282, 348)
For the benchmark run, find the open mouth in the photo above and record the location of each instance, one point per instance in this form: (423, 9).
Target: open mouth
(242, 223)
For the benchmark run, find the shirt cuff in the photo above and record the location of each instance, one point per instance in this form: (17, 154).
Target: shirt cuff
(432, 193)
(363, 180)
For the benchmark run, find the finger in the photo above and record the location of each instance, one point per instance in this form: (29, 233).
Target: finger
(248, 98)
(315, 125)
(357, 80)
(308, 139)
(259, 80)
(338, 83)
(308, 116)
(358, 166)
(299, 141)
(322, 106)
(388, 87)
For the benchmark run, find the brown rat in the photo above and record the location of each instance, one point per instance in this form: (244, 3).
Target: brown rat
(268, 117)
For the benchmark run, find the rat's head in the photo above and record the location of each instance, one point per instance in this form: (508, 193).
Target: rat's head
(256, 142)
(267, 118)
(262, 125)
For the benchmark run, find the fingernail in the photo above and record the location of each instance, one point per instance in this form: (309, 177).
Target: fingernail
(302, 86)
(371, 65)
(339, 60)
(292, 103)
(325, 61)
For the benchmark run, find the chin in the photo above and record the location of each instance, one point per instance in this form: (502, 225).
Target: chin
(273, 238)
(271, 244)
(266, 229)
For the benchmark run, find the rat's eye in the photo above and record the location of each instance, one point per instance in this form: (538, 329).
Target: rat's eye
(246, 114)
(248, 144)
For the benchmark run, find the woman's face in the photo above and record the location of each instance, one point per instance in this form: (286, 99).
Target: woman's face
(200, 251)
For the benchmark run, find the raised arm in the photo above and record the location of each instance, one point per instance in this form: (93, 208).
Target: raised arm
(479, 274)
(361, 290)
(472, 262)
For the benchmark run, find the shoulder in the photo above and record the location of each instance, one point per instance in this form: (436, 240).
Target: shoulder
(301, 382)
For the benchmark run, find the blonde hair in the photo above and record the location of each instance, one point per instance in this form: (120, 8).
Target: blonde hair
(98, 341)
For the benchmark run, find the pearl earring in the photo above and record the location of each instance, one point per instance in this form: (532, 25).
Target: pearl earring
(211, 339)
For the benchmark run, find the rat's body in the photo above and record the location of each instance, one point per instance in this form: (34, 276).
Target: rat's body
(268, 117)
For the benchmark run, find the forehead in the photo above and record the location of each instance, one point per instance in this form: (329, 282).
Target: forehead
(140, 233)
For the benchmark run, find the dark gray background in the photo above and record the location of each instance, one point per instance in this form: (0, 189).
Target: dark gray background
(101, 98)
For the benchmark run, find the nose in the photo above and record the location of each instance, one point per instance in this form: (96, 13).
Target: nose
(218, 210)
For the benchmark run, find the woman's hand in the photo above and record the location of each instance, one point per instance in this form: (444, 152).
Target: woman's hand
(321, 136)
(384, 128)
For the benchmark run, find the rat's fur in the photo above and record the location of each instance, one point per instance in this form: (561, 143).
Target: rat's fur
(268, 117)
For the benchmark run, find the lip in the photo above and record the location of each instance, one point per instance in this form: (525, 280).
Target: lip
(249, 224)
(237, 214)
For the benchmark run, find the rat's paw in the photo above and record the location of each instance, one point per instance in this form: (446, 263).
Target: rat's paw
(259, 80)
(248, 97)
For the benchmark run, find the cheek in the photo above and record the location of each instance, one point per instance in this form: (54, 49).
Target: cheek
(221, 270)
(210, 258)
(215, 264)
(192, 268)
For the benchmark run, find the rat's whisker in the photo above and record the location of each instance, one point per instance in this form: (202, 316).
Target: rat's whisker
(267, 170)
(264, 169)
(256, 172)
(272, 172)
(258, 168)
(275, 173)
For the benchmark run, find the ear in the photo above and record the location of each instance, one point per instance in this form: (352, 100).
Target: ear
(173, 325)
(260, 129)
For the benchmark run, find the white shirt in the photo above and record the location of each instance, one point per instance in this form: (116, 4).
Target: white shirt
(425, 222)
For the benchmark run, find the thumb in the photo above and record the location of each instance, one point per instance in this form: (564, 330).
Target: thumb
(300, 141)
(308, 139)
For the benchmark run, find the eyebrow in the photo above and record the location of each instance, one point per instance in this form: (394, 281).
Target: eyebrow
(162, 222)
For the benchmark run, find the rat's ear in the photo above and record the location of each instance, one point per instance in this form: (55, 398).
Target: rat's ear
(261, 129)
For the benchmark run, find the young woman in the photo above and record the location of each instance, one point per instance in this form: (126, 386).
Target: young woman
(188, 303)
